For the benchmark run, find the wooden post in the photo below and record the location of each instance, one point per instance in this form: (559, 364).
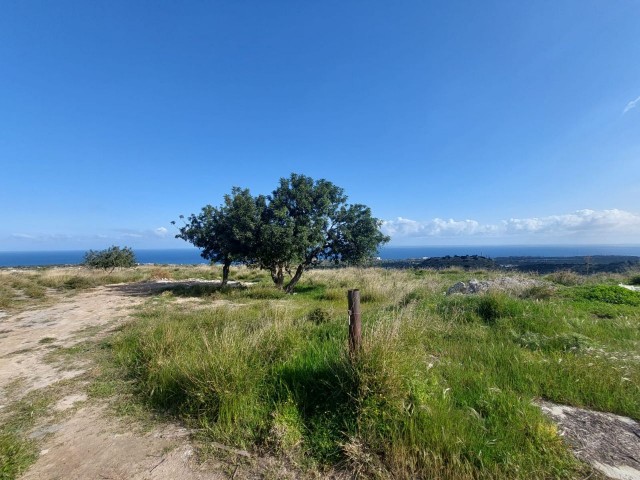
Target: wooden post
(355, 323)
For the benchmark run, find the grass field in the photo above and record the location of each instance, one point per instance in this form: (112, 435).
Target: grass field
(444, 386)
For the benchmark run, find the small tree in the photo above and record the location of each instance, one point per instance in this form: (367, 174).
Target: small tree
(226, 234)
(110, 258)
(307, 221)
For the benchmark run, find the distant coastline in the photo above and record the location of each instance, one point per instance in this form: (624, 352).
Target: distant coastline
(192, 256)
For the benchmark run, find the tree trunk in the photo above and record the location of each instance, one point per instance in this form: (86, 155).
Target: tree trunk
(291, 285)
(225, 271)
(277, 275)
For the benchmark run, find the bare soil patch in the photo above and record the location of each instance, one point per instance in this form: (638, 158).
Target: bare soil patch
(93, 444)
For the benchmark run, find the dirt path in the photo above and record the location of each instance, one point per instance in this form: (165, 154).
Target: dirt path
(79, 438)
(26, 337)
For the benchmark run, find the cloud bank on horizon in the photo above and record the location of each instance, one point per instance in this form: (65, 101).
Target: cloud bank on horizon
(582, 226)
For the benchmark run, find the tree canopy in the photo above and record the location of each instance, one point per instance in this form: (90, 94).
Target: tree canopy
(110, 258)
(226, 233)
(302, 223)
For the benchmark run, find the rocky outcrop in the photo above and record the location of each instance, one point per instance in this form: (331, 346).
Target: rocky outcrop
(502, 284)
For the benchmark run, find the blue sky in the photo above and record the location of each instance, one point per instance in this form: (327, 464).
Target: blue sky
(458, 122)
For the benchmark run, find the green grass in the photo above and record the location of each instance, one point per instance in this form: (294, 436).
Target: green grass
(16, 451)
(444, 386)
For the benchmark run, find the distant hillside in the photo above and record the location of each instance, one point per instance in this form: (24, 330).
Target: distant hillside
(468, 262)
(583, 265)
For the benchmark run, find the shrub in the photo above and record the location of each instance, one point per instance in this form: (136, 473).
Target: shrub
(566, 278)
(635, 280)
(538, 292)
(78, 283)
(110, 258)
(609, 294)
(318, 316)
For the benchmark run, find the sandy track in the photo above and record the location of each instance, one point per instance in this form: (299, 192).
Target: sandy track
(87, 442)
(28, 336)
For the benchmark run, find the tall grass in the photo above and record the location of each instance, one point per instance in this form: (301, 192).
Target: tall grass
(443, 388)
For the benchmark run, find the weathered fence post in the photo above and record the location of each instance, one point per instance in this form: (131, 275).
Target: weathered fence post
(355, 323)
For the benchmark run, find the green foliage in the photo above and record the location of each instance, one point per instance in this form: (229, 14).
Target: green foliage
(110, 258)
(17, 452)
(609, 294)
(302, 223)
(634, 280)
(15, 455)
(319, 315)
(226, 233)
(306, 221)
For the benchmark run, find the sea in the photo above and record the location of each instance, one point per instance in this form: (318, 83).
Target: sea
(192, 256)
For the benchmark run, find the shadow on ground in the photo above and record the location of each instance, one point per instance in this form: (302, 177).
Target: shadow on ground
(179, 288)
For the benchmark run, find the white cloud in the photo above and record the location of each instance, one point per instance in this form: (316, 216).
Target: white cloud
(23, 236)
(436, 227)
(582, 223)
(160, 232)
(631, 104)
(587, 221)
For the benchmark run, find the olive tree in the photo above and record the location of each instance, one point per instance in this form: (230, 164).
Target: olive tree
(225, 234)
(110, 258)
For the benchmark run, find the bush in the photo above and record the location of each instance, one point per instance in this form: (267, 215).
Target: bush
(609, 294)
(110, 258)
(318, 316)
(78, 283)
(635, 280)
(538, 292)
(566, 278)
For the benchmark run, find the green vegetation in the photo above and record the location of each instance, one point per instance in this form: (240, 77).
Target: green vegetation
(444, 388)
(110, 258)
(609, 294)
(302, 223)
(227, 233)
(17, 452)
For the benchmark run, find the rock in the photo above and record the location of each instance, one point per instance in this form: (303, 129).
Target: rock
(502, 284)
(459, 287)
(633, 288)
